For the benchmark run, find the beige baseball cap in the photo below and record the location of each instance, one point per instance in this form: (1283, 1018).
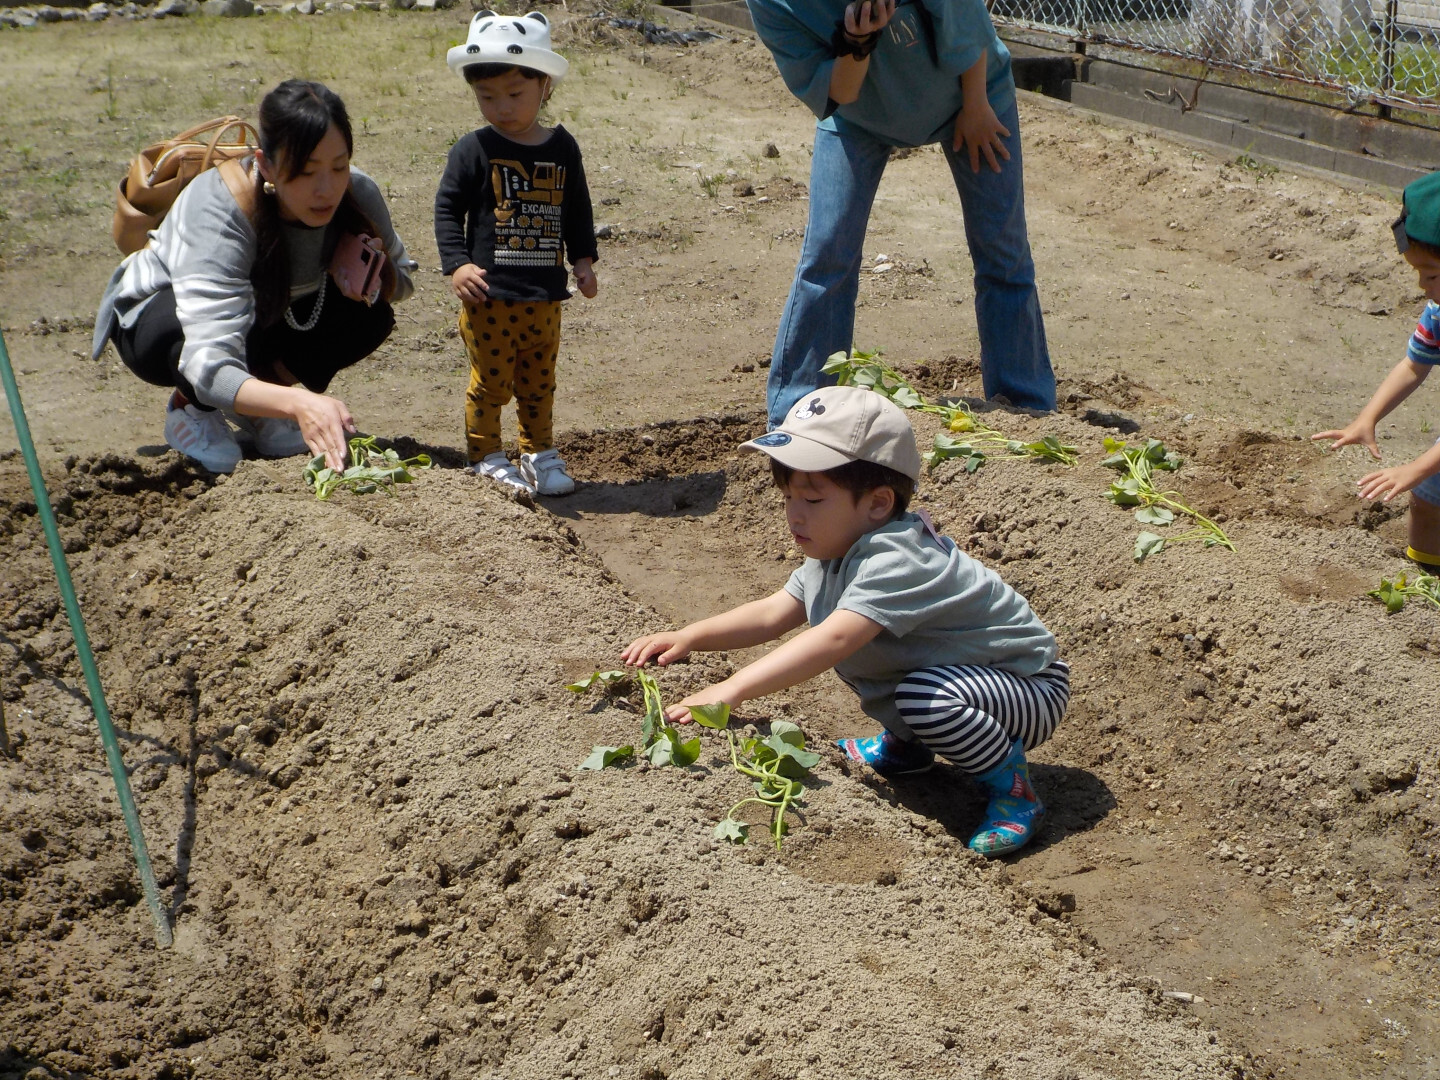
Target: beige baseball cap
(836, 425)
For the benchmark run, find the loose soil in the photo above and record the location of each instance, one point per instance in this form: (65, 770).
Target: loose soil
(352, 749)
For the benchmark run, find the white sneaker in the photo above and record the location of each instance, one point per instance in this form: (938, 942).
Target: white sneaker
(202, 436)
(272, 436)
(546, 473)
(278, 436)
(497, 467)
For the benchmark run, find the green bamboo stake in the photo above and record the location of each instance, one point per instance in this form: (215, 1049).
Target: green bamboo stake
(87, 657)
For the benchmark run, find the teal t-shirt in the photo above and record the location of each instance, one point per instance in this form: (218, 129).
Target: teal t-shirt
(911, 92)
(936, 606)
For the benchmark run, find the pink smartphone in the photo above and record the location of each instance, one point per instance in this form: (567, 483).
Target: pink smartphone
(356, 267)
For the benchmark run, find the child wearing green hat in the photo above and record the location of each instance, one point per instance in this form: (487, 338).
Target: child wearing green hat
(1417, 236)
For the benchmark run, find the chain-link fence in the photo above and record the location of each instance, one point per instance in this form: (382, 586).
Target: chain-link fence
(1385, 52)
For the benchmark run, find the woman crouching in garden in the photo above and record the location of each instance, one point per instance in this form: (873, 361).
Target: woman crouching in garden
(235, 307)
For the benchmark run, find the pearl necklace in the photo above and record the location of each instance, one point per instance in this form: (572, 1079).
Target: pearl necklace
(309, 323)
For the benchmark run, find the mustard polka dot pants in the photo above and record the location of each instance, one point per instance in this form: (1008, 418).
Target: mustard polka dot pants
(513, 345)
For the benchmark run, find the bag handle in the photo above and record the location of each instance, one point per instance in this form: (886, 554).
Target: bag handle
(249, 136)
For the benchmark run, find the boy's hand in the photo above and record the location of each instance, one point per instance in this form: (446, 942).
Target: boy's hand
(978, 128)
(585, 279)
(469, 284)
(716, 694)
(1356, 434)
(863, 18)
(1385, 484)
(662, 648)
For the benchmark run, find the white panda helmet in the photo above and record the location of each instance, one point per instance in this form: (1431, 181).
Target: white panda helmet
(506, 39)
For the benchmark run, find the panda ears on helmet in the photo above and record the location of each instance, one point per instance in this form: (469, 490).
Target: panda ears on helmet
(487, 14)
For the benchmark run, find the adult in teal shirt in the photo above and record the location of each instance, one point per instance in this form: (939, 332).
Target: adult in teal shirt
(880, 74)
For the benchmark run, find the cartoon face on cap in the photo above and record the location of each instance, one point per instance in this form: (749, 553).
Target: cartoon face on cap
(506, 39)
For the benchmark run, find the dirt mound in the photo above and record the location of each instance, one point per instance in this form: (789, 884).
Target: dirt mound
(357, 767)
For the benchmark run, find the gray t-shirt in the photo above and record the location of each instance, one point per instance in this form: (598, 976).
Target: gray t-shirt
(935, 605)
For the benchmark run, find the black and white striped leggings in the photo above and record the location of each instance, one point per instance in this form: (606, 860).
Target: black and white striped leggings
(970, 715)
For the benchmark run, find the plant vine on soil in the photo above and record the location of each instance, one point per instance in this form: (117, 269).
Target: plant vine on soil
(1154, 506)
(862, 368)
(1394, 593)
(371, 469)
(776, 764)
(660, 742)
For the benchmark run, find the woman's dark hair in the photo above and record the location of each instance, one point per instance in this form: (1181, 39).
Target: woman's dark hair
(858, 477)
(294, 117)
(478, 72)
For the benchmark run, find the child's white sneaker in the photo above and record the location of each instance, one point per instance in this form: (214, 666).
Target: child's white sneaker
(546, 473)
(497, 467)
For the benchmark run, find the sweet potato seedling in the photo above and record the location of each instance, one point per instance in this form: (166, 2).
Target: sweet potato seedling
(1154, 506)
(776, 765)
(371, 469)
(660, 742)
(1393, 594)
(861, 368)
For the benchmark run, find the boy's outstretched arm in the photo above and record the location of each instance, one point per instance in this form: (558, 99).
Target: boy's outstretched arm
(802, 657)
(1404, 377)
(749, 624)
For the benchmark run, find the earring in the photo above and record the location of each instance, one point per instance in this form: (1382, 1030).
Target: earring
(268, 188)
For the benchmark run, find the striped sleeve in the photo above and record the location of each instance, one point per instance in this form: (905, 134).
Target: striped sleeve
(1424, 345)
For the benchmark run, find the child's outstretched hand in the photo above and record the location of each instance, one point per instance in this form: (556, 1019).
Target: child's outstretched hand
(469, 284)
(585, 279)
(663, 648)
(1356, 433)
(1385, 484)
(679, 713)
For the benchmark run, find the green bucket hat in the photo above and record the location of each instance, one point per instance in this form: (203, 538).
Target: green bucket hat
(1420, 217)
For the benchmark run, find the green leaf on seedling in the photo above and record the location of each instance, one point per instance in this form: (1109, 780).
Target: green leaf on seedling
(371, 469)
(603, 678)
(1154, 515)
(737, 832)
(1148, 543)
(715, 717)
(670, 749)
(907, 398)
(1125, 492)
(1393, 594)
(1047, 448)
(602, 757)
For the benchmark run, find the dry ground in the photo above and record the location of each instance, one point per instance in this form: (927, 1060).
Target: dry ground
(356, 763)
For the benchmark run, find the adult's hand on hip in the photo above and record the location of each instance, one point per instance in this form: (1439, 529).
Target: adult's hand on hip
(979, 130)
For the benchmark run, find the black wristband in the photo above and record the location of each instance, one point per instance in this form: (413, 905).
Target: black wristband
(841, 44)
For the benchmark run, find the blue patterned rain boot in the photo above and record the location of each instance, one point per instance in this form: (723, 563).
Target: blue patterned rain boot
(1015, 812)
(888, 755)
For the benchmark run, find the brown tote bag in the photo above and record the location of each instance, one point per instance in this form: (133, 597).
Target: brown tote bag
(158, 173)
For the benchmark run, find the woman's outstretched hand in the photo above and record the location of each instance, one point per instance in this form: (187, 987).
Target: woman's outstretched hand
(326, 425)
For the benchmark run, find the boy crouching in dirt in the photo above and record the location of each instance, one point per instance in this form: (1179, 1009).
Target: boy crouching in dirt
(512, 204)
(1417, 235)
(945, 655)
